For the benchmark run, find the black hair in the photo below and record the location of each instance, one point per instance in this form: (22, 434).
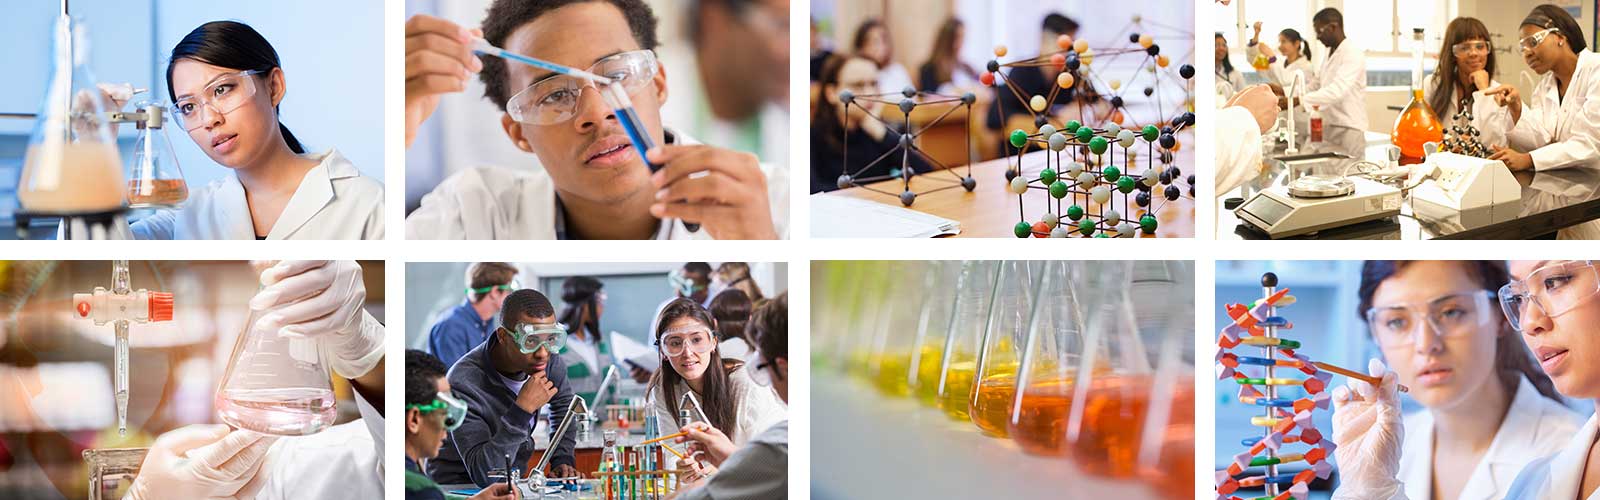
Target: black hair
(232, 45)
(1512, 359)
(580, 296)
(422, 377)
(1059, 24)
(1328, 15)
(505, 16)
(731, 309)
(697, 268)
(1548, 16)
(1294, 36)
(716, 398)
(1227, 65)
(525, 302)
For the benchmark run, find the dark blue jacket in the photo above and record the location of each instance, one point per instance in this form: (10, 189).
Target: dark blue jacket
(495, 426)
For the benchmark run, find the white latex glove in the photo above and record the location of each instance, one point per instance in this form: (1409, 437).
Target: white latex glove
(200, 461)
(1366, 425)
(323, 300)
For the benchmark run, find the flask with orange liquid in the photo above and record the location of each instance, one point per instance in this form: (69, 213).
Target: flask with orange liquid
(969, 315)
(1003, 336)
(1050, 358)
(1417, 124)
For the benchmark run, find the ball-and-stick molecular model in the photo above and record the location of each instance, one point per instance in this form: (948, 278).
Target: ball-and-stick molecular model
(1285, 421)
(1461, 137)
(907, 100)
(1080, 182)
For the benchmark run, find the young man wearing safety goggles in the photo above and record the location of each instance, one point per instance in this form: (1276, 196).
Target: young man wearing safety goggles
(594, 184)
(431, 413)
(505, 383)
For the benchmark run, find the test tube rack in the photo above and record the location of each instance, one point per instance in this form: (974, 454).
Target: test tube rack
(638, 472)
(1284, 420)
(1095, 186)
(624, 415)
(909, 99)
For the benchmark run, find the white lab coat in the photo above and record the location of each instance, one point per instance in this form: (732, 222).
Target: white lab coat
(758, 407)
(1563, 133)
(1283, 75)
(1238, 148)
(493, 203)
(343, 462)
(1559, 475)
(1491, 119)
(1534, 427)
(1228, 84)
(334, 202)
(1339, 87)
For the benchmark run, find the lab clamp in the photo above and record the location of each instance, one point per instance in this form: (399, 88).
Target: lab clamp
(533, 485)
(120, 306)
(73, 170)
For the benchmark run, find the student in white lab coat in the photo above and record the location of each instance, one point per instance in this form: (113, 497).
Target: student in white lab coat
(1553, 304)
(593, 184)
(1560, 127)
(692, 362)
(323, 302)
(1489, 410)
(1240, 124)
(1339, 88)
(1230, 81)
(1464, 75)
(226, 83)
(1293, 55)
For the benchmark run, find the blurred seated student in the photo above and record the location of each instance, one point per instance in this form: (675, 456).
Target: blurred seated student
(1041, 81)
(759, 468)
(692, 363)
(868, 138)
(872, 42)
(730, 312)
(944, 68)
(819, 50)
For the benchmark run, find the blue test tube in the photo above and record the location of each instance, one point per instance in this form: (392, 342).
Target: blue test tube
(617, 98)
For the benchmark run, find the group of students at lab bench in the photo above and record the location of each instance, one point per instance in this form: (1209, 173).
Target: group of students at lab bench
(1554, 127)
(1493, 353)
(462, 421)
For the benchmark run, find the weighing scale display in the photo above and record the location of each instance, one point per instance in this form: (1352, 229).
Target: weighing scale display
(1270, 211)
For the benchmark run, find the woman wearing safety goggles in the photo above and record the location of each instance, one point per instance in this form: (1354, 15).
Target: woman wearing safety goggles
(691, 362)
(1504, 439)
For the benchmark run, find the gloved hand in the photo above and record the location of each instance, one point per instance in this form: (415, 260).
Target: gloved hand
(200, 461)
(322, 300)
(1366, 426)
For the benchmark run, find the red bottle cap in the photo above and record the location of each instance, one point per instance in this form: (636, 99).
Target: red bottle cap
(160, 306)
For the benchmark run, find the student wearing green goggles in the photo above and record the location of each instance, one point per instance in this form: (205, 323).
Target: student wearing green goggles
(432, 412)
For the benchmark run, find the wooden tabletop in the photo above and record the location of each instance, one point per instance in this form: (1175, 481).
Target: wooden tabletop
(989, 211)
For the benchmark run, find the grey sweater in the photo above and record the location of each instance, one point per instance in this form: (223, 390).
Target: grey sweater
(495, 426)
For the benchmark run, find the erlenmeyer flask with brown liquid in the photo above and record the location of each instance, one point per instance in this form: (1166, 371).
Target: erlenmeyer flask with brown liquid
(72, 166)
(276, 384)
(1050, 360)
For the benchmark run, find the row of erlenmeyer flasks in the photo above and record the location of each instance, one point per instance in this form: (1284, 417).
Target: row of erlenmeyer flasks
(1090, 360)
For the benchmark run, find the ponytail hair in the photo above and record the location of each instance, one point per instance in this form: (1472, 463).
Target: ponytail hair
(1294, 36)
(233, 45)
(1512, 360)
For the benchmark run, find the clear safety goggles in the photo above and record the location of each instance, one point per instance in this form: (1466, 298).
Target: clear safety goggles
(555, 98)
(224, 94)
(1531, 41)
(1450, 316)
(1554, 289)
(530, 337)
(455, 411)
(676, 341)
(1469, 46)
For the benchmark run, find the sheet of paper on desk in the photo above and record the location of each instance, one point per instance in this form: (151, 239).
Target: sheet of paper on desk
(843, 217)
(634, 353)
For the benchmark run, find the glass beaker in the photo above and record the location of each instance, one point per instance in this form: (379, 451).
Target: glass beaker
(1050, 360)
(154, 179)
(72, 165)
(968, 316)
(275, 384)
(933, 327)
(896, 331)
(871, 295)
(1116, 373)
(995, 384)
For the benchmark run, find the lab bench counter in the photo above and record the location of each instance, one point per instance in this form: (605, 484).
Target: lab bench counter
(1551, 200)
(990, 211)
(865, 445)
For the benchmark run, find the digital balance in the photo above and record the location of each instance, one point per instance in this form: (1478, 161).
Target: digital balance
(1312, 203)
